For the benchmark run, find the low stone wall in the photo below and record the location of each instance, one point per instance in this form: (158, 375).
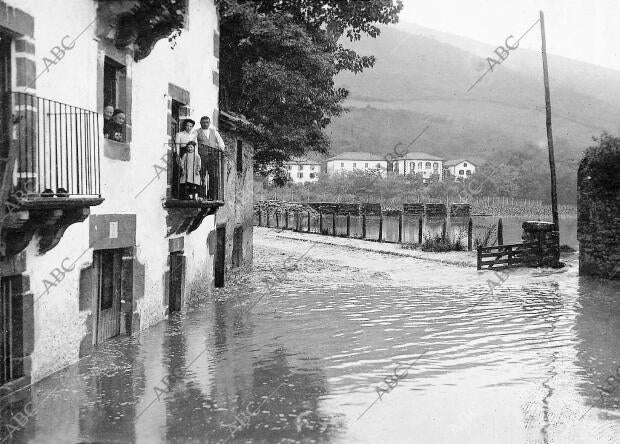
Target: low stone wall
(548, 241)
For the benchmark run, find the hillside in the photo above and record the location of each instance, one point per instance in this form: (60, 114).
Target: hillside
(422, 80)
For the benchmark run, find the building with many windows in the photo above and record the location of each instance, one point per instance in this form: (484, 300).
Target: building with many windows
(302, 170)
(99, 234)
(352, 160)
(460, 168)
(419, 163)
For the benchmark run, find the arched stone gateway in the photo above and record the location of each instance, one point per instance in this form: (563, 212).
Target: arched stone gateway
(598, 224)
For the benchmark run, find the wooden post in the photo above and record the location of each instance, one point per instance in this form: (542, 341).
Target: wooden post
(554, 191)
(363, 226)
(381, 227)
(420, 231)
(443, 229)
(479, 261)
(320, 222)
(286, 219)
(308, 221)
(260, 217)
(277, 219)
(334, 223)
(400, 228)
(470, 231)
(267, 224)
(297, 220)
(348, 224)
(500, 232)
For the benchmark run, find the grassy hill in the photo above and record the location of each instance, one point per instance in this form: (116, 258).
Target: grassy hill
(422, 80)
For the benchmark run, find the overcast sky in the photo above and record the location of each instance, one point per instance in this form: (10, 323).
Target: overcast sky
(586, 30)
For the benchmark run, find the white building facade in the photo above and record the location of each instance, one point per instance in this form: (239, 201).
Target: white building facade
(356, 161)
(303, 171)
(97, 241)
(419, 163)
(460, 168)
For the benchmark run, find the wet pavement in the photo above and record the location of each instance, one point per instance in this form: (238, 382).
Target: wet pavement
(351, 347)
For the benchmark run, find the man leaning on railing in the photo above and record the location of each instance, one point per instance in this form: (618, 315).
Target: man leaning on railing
(208, 137)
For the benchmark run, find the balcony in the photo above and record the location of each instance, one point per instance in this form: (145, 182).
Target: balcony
(52, 174)
(196, 180)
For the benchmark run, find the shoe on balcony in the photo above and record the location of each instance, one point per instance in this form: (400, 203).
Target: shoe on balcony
(47, 193)
(61, 192)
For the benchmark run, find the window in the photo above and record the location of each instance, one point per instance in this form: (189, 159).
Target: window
(427, 165)
(312, 175)
(419, 165)
(288, 167)
(114, 126)
(366, 165)
(411, 165)
(435, 165)
(312, 168)
(300, 175)
(461, 172)
(341, 164)
(468, 172)
(239, 156)
(378, 165)
(396, 167)
(465, 164)
(354, 164)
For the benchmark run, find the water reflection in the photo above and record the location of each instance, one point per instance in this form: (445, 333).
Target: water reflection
(301, 365)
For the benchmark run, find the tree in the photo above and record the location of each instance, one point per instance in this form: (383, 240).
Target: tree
(278, 59)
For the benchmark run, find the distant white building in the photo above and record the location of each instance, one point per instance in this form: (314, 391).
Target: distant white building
(460, 168)
(419, 163)
(352, 160)
(301, 170)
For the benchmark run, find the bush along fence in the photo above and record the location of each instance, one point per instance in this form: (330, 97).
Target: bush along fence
(415, 223)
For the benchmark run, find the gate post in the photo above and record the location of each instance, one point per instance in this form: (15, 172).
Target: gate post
(400, 228)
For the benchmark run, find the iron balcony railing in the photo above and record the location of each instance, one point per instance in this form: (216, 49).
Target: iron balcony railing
(57, 148)
(198, 175)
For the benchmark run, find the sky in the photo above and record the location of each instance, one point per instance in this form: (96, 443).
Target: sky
(585, 30)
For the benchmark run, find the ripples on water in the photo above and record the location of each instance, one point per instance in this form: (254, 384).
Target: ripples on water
(520, 365)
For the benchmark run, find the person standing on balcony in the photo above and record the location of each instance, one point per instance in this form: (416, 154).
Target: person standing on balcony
(209, 140)
(190, 171)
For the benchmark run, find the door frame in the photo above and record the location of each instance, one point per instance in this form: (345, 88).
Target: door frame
(117, 261)
(219, 261)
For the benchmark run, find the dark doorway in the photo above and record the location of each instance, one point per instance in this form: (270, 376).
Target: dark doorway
(237, 250)
(11, 325)
(177, 281)
(220, 256)
(108, 317)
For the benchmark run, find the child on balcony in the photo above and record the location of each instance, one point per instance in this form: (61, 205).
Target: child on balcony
(190, 171)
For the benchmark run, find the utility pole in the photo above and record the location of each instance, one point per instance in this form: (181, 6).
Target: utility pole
(554, 190)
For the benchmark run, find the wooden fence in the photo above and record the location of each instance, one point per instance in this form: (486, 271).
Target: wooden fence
(407, 228)
(507, 256)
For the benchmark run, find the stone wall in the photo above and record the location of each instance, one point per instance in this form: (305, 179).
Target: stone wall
(598, 206)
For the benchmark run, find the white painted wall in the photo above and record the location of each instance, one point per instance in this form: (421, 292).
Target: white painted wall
(425, 169)
(460, 170)
(338, 166)
(59, 325)
(306, 169)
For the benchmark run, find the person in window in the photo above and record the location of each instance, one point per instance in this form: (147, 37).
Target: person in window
(116, 127)
(208, 139)
(108, 111)
(190, 171)
(183, 137)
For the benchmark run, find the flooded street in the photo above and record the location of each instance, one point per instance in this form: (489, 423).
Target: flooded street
(300, 350)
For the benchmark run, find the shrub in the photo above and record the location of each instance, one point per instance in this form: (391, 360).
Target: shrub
(438, 244)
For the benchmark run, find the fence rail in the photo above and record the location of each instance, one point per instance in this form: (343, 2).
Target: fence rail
(57, 148)
(507, 256)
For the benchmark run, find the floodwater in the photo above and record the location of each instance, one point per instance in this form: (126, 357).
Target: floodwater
(299, 351)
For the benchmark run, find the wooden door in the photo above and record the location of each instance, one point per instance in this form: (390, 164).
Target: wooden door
(11, 330)
(177, 273)
(220, 256)
(108, 294)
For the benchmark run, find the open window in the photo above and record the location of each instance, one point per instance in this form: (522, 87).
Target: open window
(114, 101)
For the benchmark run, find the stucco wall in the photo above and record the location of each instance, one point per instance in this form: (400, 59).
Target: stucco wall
(60, 323)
